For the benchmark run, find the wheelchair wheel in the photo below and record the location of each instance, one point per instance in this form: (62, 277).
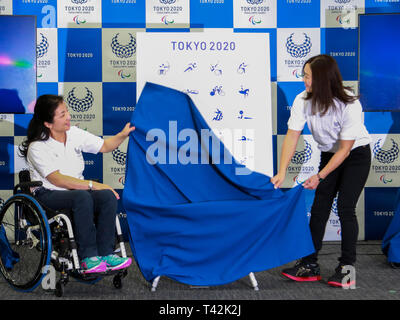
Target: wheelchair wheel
(28, 239)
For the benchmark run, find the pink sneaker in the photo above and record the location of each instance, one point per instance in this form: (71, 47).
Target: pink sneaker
(115, 262)
(93, 265)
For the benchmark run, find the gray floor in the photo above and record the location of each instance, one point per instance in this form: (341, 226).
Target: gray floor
(376, 280)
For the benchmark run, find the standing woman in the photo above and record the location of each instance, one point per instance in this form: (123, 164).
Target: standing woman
(334, 117)
(53, 150)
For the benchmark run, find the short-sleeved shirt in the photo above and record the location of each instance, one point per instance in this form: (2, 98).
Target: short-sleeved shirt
(46, 157)
(344, 122)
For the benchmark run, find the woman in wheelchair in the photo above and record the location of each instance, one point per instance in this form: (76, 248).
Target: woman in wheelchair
(53, 150)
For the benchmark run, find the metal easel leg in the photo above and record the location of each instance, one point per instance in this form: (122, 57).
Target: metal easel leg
(253, 281)
(155, 284)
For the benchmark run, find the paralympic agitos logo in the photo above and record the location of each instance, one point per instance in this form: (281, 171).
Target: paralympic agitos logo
(298, 50)
(386, 156)
(80, 104)
(123, 50)
(301, 157)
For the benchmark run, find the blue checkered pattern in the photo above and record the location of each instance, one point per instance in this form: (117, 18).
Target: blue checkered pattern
(298, 50)
(42, 47)
(80, 105)
(386, 156)
(123, 51)
(86, 52)
(301, 157)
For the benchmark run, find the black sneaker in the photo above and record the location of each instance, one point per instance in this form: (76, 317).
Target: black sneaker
(303, 272)
(337, 279)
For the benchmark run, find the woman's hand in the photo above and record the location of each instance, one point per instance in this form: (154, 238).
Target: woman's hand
(278, 179)
(127, 130)
(102, 186)
(114, 142)
(312, 182)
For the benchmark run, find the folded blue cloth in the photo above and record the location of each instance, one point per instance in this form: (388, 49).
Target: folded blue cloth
(202, 224)
(8, 256)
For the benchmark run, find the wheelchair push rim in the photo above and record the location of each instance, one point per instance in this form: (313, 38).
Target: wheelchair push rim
(28, 234)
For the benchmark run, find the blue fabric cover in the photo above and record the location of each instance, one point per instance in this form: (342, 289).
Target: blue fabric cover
(8, 256)
(391, 239)
(202, 224)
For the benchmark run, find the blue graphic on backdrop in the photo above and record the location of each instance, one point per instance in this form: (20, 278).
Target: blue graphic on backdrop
(47, 88)
(121, 14)
(294, 14)
(117, 107)
(301, 157)
(242, 116)
(191, 66)
(79, 55)
(272, 43)
(123, 50)
(242, 68)
(80, 104)
(217, 90)
(216, 69)
(21, 122)
(255, 1)
(286, 92)
(244, 91)
(386, 156)
(163, 68)
(119, 156)
(379, 211)
(211, 15)
(42, 47)
(191, 91)
(218, 115)
(342, 44)
(298, 50)
(45, 12)
(6, 162)
(334, 208)
(244, 138)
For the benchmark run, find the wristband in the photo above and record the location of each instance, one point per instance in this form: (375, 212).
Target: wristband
(319, 177)
(90, 185)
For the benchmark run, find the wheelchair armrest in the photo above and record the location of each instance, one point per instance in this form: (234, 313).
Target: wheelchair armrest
(24, 186)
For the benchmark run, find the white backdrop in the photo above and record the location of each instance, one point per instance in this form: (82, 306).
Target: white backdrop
(227, 76)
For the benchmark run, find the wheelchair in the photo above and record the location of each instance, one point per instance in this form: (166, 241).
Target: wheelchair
(39, 238)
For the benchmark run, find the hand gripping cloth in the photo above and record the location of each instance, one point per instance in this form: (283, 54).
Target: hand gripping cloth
(202, 224)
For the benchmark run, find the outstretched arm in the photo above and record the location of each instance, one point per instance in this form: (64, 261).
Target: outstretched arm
(288, 149)
(113, 142)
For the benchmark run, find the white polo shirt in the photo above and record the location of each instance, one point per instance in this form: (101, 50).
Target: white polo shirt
(45, 157)
(345, 122)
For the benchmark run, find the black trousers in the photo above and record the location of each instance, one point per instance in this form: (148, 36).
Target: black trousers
(94, 215)
(348, 180)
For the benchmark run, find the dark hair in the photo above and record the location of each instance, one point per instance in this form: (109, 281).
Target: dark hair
(44, 111)
(327, 84)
